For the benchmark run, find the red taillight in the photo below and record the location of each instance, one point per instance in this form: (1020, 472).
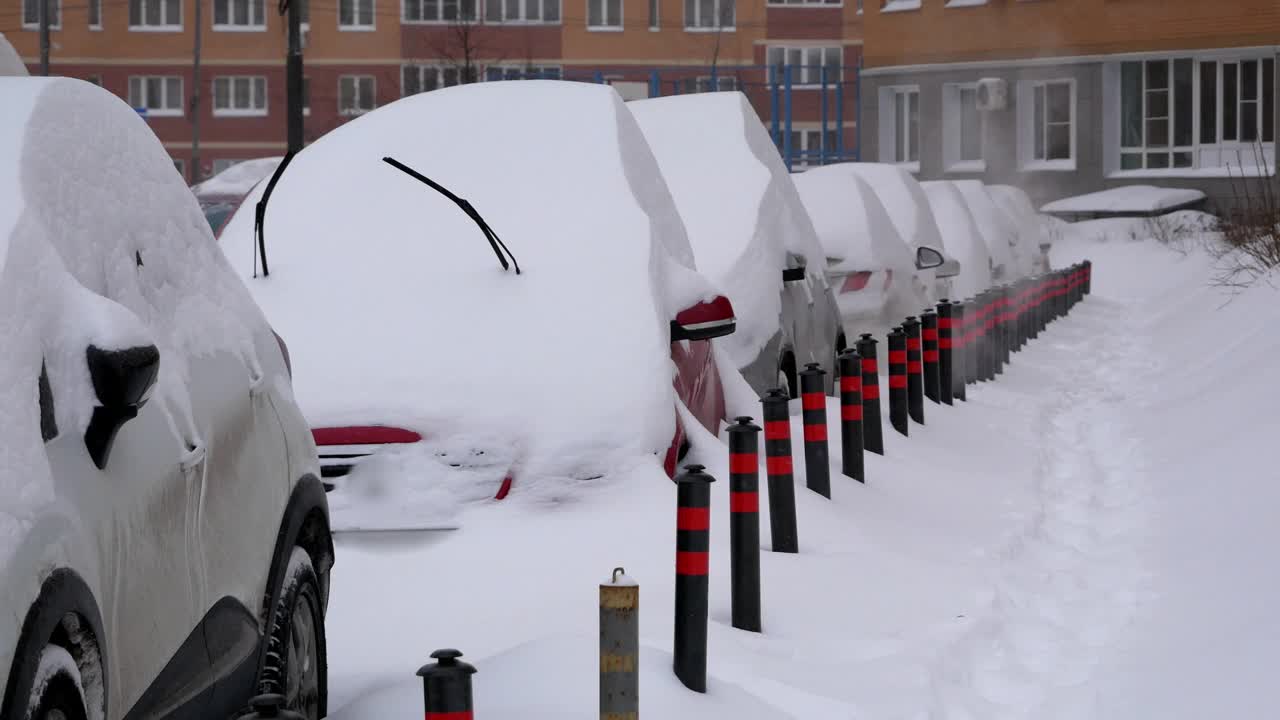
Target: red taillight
(363, 435)
(855, 282)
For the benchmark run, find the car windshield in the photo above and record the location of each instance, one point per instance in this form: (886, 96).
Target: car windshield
(217, 214)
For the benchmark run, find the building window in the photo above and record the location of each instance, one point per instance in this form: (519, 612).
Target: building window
(806, 3)
(239, 14)
(702, 83)
(157, 95)
(654, 13)
(810, 147)
(155, 14)
(355, 14)
(31, 14)
(900, 126)
(1047, 124)
(522, 72)
(961, 128)
(522, 11)
(806, 64)
(240, 95)
(415, 79)
(709, 14)
(356, 94)
(428, 11)
(604, 14)
(1183, 114)
(95, 14)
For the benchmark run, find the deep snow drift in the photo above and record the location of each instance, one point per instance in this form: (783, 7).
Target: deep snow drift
(1089, 536)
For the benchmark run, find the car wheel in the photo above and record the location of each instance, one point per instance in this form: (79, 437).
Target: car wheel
(57, 683)
(296, 664)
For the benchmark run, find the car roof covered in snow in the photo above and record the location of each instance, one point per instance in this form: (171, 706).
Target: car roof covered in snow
(11, 64)
(901, 196)
(738, 201)
(963, 238)
(238, 179)
(852, 223)
(997, 227)
(396, 309)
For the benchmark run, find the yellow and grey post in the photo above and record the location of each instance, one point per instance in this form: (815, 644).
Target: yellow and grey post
(619, 648)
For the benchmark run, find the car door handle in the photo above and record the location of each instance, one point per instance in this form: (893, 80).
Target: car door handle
(192, 458)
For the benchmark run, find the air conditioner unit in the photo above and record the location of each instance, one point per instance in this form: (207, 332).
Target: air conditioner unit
(993, 94)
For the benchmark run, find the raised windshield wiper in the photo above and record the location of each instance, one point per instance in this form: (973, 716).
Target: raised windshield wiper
(489, 234)
(260, 212)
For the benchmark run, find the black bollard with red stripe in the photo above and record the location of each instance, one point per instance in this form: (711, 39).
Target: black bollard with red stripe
(446, 686)
(1088, 277)
(744, 523)
(693, 550)
(817, 456)
(946, 349)
(782, 489)
(929, 338)
(981, 355)
(898, 414)
(989, 330)
(915, 370)
(872, 426)
(961, 363)
(1006, 324)
(851, 459)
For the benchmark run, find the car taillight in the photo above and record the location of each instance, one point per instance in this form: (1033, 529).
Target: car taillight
(855, 282)
(340, 448)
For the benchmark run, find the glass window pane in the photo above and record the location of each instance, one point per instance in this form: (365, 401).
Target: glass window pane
(1157, 161)
(690, 12)
(512, 10)
(95, 12)
(1208, 102)
(1158, 104)
(1230, 96)
(773, 56)
(1182, 159)
(173, 93)
(1157, 74)
(1183, 102)
(173, 12)
(1131, 104)
(409, 84)
(1249, 80)
(913, 132)
(152, 12)
(30, 12)
(706, 13)
(135, 12)
(366, 93)
(900, 127)
(220, 12)
(1249, 121)
(1268, 100)
(430, 79)
(366, 12)
(412, 10)
(155, 93)
(970, 126)
(135, 92)
(1158, 133)
(551, 10)
(1059, 102)
(346, 12)
(240, 93)
(728, 13)
(614, 13)
(1059, 142)
(1131, 161)
(259, 93)
(239, 12)
(257, 6)
(1037, 124)
(595, 12)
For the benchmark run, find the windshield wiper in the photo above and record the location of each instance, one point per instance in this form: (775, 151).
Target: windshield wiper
(260, 212)
(489, 234)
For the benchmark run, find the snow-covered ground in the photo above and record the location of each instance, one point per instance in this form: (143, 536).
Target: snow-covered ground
(1088, 537)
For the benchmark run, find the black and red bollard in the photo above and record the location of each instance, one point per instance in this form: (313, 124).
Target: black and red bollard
(915, 370)
(978, 336)
(946, 350)
(778, 466)
(851, 459)
(744, 523)
(446, 686)
(990, 334)
(1006, 324)
(898, 414)
(1088, 277)
(813, 403)
(872, 429)
(961, 361)
(693, 551)
(262, 707)
(929, 338)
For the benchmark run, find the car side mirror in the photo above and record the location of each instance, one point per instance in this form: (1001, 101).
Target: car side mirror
(949, 268)
(704, 321)
(928, 258)
(123, 381)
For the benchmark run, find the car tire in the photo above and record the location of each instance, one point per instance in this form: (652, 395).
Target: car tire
(60, 698)
(297, 663)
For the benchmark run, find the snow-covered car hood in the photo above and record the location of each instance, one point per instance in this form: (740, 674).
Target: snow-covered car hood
(396, 309)
(963, 239)
(738, 201)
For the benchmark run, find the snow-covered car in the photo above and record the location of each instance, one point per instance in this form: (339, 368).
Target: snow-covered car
(1033, 240)
(499, 294)
(962, 237)
(220, 195)
(999, 232)
(750, 233)
(876, 276)
(11, 64)
(164, 540)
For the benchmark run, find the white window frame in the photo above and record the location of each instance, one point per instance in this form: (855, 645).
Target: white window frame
(231, 25)
(953, 130)
(500, 18)
(440, 7)
(1026, 129)
(717, 11)
(801, 159)
(607, 25)
(807, 75)
(357, 111)
(167, 25)
(548, 72)
(56, 20)
(806, 3)
(231, 81)
(891, 126)
(355, 25)
(164, 110)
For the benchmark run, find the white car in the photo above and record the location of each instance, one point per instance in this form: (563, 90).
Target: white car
(962, 237)
(11, 64)
(999, 231)
(1033, 238)
(164, 543)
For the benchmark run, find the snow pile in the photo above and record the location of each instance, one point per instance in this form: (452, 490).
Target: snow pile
(1127, 199)
(396, 310)
(10, 62)
(963, 239)
(996, 228)
(738, 202)
(237, 180)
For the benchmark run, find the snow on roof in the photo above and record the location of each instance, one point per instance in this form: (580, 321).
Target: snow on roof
(396, 310)
(238, 179)
(996, 227)
(10, 62)
(963, 238)
(852, 223)
(902, 198)
(738, 202)
(1127, 199)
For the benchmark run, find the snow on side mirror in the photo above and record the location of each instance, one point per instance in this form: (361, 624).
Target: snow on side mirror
(950, 268)
(704, 321)
(123, 381)
(928, 258)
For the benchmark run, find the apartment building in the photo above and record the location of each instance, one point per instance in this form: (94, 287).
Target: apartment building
(360, 54)
(1063, 97)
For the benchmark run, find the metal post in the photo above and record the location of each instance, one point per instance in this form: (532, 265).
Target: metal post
(293, 77)
(598, 77)
(872, 432)
(851, 458)
(693, 545)
(946, 350)
(44, 37)
(915, 370)
(813, 399)
(655, 84)
(822, 141)
(619, 647)
(840, 117)
(929, 335)
(446, 686)
(1006, 325)
(744, 523)
(197, 82)
(786, 139)
(1088, 277)
(778, 466)
(773, 105)
(961, 365)
(898, 380)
